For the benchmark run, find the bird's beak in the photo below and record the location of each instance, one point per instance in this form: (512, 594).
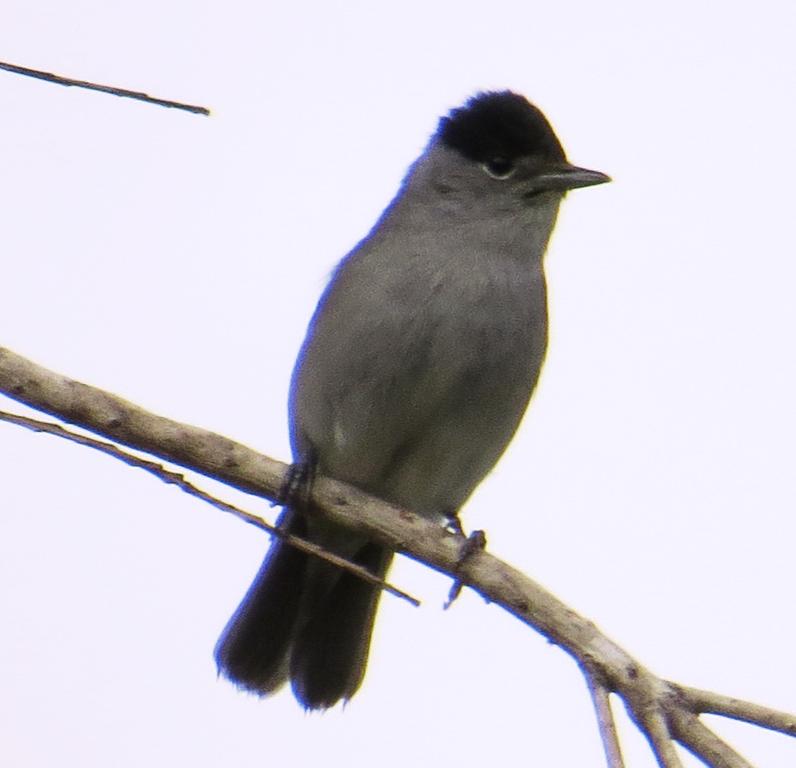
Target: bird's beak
(565, 176)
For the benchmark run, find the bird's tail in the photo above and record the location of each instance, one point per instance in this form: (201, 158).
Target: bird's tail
(305, 620)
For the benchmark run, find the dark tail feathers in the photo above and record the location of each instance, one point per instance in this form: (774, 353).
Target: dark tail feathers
(305, 620)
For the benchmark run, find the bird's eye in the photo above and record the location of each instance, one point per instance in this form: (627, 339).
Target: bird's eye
(499, 167)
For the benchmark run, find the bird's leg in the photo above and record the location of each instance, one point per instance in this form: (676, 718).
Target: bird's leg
(453, 523)
(473, 543)
(296, 491)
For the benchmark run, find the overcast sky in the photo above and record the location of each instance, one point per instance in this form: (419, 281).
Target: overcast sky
(175, 260)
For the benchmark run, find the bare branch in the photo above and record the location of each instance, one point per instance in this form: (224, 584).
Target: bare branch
(665, 712)
(696, 737)
(122, 92)
(600, 696)
(174, 478)
(706, 702)
(657, 732)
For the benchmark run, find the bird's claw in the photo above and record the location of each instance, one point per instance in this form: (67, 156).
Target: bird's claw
(296, 489)
(475, 542)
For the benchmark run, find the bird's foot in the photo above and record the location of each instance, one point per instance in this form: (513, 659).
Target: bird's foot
(475, 542)
(296, 490)
(453, 523)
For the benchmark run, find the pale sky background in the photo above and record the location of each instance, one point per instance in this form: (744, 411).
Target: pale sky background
(175, 260)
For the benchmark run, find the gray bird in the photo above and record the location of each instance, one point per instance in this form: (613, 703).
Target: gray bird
(417, 367)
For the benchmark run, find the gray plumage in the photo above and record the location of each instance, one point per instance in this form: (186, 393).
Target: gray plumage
(417, 368)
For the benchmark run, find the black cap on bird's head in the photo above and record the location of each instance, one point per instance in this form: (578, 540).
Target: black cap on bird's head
(501, 124)
(499, 128)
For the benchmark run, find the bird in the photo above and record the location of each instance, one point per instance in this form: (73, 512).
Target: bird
(417, 367)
